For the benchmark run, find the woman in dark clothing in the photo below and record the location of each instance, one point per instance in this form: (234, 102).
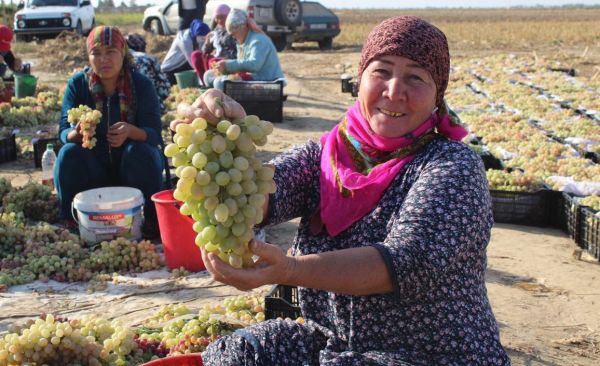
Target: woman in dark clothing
(390, 253)
(127, 152)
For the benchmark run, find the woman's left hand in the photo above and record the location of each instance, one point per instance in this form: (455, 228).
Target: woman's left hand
(272, 267)
(118, 133)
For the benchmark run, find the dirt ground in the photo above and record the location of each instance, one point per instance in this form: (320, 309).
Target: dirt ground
(546, 301)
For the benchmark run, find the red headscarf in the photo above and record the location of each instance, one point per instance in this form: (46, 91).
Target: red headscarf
(111, 36)
(357, 166)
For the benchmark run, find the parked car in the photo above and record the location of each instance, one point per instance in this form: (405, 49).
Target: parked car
(319, 24)
(50, 17)
(282, 20)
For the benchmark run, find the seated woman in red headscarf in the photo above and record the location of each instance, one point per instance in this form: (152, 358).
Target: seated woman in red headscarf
(127, 151)
(395, 218)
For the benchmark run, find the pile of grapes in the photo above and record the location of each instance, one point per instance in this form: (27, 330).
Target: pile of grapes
(95, 341)
(514, 181)
(57, 341)
(88, 119)
(222, 183)
(592, 201)
(45, 252)
(31, 111)
(178, 95)
(34, 200)
(188, 334)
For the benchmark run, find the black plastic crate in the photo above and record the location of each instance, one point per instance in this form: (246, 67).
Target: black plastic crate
(39, 146)
(572, 215)
(522, 208)
(263, 99)
(590, 231)
(556, 210)
(8, 148)
(282, 302)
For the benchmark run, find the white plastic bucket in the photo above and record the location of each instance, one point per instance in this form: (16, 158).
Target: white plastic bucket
(108, 213)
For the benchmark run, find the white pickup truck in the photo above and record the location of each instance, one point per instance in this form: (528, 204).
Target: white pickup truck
(50, 17)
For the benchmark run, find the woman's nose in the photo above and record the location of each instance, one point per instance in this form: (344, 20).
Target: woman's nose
(395, 89)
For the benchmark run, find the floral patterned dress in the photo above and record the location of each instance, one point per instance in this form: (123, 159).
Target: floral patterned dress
(431, 226)
(149, 66)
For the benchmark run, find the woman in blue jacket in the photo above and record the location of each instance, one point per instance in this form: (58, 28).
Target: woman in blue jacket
(127, 151)
(256, 55)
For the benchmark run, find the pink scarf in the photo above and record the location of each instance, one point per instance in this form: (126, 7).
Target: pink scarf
(348, 192)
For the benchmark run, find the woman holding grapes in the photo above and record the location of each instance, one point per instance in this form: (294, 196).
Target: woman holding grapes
(389, 258)
(127, 136)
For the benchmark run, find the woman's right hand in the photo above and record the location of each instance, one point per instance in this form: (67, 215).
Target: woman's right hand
(213, 105)
(75, 134)
(273, 266)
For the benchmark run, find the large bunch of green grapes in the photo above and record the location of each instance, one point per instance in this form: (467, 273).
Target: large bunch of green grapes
(222, 183)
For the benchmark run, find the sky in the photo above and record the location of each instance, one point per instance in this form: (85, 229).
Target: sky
(350, 4)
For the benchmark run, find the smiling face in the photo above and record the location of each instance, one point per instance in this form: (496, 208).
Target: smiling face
(396, 95)
(106, 61)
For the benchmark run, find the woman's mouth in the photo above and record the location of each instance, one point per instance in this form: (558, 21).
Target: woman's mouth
(390, 113)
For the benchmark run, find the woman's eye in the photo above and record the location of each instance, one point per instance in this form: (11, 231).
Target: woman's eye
(416, 77)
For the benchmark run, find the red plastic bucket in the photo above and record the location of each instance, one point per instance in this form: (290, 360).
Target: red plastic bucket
(178, 237)
(182, 360)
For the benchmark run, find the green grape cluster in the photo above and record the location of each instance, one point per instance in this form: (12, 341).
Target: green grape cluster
(166, 313)
(88, 119)
(222, 183)
(50, 340)
(123, 255)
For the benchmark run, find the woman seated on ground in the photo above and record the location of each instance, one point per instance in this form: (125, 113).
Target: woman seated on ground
(149, 66)
(179, 56)
(127, 151)
(218, 45)
(390, 253)
(256, 55)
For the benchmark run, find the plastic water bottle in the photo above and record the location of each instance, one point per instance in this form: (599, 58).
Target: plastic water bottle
(48, 160)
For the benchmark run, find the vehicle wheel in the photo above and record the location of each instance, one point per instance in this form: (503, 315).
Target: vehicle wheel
(326, 43)
(288, 12)
(280, 43)
(79, 29)
(156, 27)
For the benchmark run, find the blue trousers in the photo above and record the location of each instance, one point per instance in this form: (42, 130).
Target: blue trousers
(135, 164)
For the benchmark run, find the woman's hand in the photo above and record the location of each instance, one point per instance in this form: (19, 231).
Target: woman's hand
(219, 67)
(75, 134)
(118, 133)
(213, 105)
(18, 63)
(272, 267)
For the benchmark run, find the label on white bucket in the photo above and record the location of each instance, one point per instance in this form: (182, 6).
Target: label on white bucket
(108, 213)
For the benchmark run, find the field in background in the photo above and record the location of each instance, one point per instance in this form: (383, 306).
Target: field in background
(489, 29)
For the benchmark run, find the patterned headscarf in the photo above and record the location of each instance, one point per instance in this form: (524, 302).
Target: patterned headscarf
(111, 36)
(236, 20)
(415, 39)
